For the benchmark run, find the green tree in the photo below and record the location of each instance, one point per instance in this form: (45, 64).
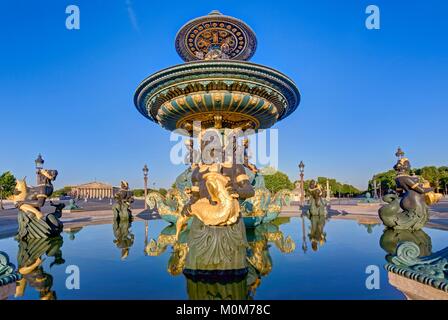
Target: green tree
(277, 181)
(436, 176)
(336, 188)
(384, 181)
(141, 192)
(62, 192)
(431, 174)
(7, 184)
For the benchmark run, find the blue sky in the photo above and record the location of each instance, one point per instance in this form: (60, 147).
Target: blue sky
(68, 94)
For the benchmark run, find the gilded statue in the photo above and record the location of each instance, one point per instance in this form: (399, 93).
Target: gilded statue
(408, 209)
(123, 199)
(317, 206)
(33, 223)
(217, 188)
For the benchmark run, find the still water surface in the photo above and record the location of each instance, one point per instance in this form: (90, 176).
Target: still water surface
(333, 268)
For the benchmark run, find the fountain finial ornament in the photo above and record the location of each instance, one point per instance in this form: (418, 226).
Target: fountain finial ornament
(408, 208)
(215, 36)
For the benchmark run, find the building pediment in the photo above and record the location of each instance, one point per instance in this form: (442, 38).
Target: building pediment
(94, 185)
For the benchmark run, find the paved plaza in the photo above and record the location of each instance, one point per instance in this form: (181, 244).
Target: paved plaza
(99, 212)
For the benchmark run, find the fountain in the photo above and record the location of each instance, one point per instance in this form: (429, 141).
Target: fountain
(217, 89)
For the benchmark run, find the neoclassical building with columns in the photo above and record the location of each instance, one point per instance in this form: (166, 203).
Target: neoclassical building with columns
(94, 190)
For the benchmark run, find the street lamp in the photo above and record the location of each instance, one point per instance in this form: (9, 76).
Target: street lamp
(39, 165)
(301, 169)
(145, 180)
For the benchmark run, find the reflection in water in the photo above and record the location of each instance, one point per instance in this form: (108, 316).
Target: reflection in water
(167, 238)
(124, 238)
(72, 232)
(30, 258)
(35, 256)
(391, 238)
(369, 226)
(317, 235)
(221, 262)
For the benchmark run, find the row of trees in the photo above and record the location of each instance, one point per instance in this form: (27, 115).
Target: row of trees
(385, 181)
(279, 180)
(337, 189)
(436, 176)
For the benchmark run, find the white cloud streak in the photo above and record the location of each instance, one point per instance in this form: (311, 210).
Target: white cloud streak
(132, 16)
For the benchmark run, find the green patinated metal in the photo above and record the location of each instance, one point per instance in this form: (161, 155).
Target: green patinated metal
(7, 270)
(431, 270)
(157, 92)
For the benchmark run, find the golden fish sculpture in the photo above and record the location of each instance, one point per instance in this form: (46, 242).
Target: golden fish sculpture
(226, 209)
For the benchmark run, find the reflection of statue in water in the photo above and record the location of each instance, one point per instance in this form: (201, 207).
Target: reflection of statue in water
(32, 222)
(72, 231)
(317, 204)
(390, 240)
(259, 257)
(409, 209)
(220, 262)
(122, 208)
(30, 261)
(369, 226)
(317, 235)
(228, 289)
(124, 238)
(167, 237)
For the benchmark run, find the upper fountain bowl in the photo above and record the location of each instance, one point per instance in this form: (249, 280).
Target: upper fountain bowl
(213, 35)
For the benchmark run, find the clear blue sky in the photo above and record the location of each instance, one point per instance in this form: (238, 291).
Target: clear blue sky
(69, 94)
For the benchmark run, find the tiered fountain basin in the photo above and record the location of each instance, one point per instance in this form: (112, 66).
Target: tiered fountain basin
(219, 93)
